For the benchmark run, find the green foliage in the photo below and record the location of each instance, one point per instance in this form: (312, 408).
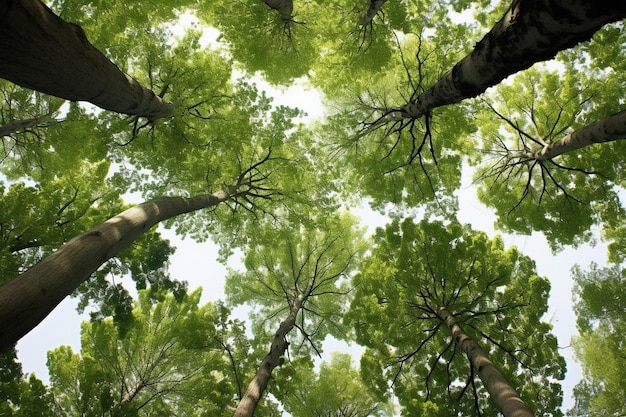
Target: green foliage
(312, 260)
(335, 391)
(72, 171)
(563, 197)
(20, 397)
(171, 360)
(600, 304)
(494, 293)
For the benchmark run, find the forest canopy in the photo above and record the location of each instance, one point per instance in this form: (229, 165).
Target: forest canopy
(123, 125)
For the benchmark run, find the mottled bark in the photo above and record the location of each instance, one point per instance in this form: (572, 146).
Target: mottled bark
(40, 51)
(372, 11)
(608, 129)
(530, 31)
(27, 299)
(274, 358)
(283, 7)
(506, 399)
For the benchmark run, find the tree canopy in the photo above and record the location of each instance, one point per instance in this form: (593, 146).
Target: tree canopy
(173, 105)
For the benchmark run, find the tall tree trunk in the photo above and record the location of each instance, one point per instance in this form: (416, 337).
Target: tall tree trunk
(372, 11)
(27, 299)
(505, 397)
(22, 125)
(39, 50)
(530, 31)
(283, 7)
(608, 129)
(257, 386)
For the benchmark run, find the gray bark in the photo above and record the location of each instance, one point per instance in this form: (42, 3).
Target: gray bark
(608, 129)
(274, 358)
(27, 299)
(40, 51)
(372, 11)
(530, 31)
(506, 399)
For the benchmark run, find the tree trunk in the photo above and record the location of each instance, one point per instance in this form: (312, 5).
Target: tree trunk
(375, 6)
(530, 31)
(257, 386)
(608, 129)
(505, 397)
(39, 50)
(27, 299)
(22, 125)
(283, 7)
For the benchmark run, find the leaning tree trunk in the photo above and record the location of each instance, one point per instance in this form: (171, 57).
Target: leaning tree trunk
(530, 31)
(505, 397)
(606, 130)
(274, 358)
(27, 299)
(39, 50)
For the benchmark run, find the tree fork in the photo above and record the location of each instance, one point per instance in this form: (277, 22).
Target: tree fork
(40, 51)
(506, 399)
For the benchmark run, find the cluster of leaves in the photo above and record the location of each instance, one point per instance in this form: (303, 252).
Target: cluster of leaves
(68, 170)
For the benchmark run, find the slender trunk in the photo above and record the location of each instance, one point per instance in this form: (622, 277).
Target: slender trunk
(257, 386)
(608, 129)
(505, 397)
(27, 299)
(283, 7)
(530, 31)
(375, 6)
(22, 125)
(39, 50)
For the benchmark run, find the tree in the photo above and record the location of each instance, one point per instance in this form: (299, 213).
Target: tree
(45, 53)
(170, 361)
(537, 29)
(600, 300)
(298, 275)
(424, 277)
(537, 167)
(42, 287)
(335, 391)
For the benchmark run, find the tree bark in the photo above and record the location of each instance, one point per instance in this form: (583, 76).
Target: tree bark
(372, 11)
(506, 399)
(40, 51)
(530, 31)
(259, 383)
(608, 129)
(27, 299)
(283, 7)
(22, 125)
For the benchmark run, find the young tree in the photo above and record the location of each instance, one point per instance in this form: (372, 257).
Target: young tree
(298, 274)
(43, 52)
(423, 278)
